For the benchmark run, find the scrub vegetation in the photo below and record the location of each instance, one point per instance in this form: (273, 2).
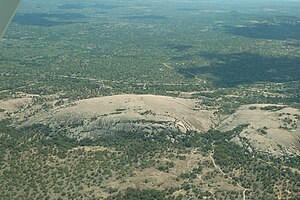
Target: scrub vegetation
(228, 59)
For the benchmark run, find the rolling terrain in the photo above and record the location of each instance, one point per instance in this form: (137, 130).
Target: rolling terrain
(141, 99)
(130, 113)
(149, 145)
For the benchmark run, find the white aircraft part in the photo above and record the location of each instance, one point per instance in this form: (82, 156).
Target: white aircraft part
(7, 11)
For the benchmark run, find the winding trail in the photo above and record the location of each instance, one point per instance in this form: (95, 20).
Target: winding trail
(166, 65)
(224, 174)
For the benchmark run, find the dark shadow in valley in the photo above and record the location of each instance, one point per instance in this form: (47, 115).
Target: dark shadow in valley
(72, 6)
(83, 6)
(145, 17)
(46, 20)
(188, 9)
(182, 58)
(278, 31)
(104, 6)
(245, 68)
(179, 47)
(296, 44)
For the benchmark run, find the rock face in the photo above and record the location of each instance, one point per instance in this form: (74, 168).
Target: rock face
(127, 113)
(273, 129)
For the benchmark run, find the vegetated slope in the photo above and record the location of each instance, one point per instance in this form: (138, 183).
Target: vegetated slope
(272, 129)
(134, 113)
(146, 146)
(38, 163)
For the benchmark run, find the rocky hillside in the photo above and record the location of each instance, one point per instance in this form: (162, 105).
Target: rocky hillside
(126, 113)
(272, 128)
